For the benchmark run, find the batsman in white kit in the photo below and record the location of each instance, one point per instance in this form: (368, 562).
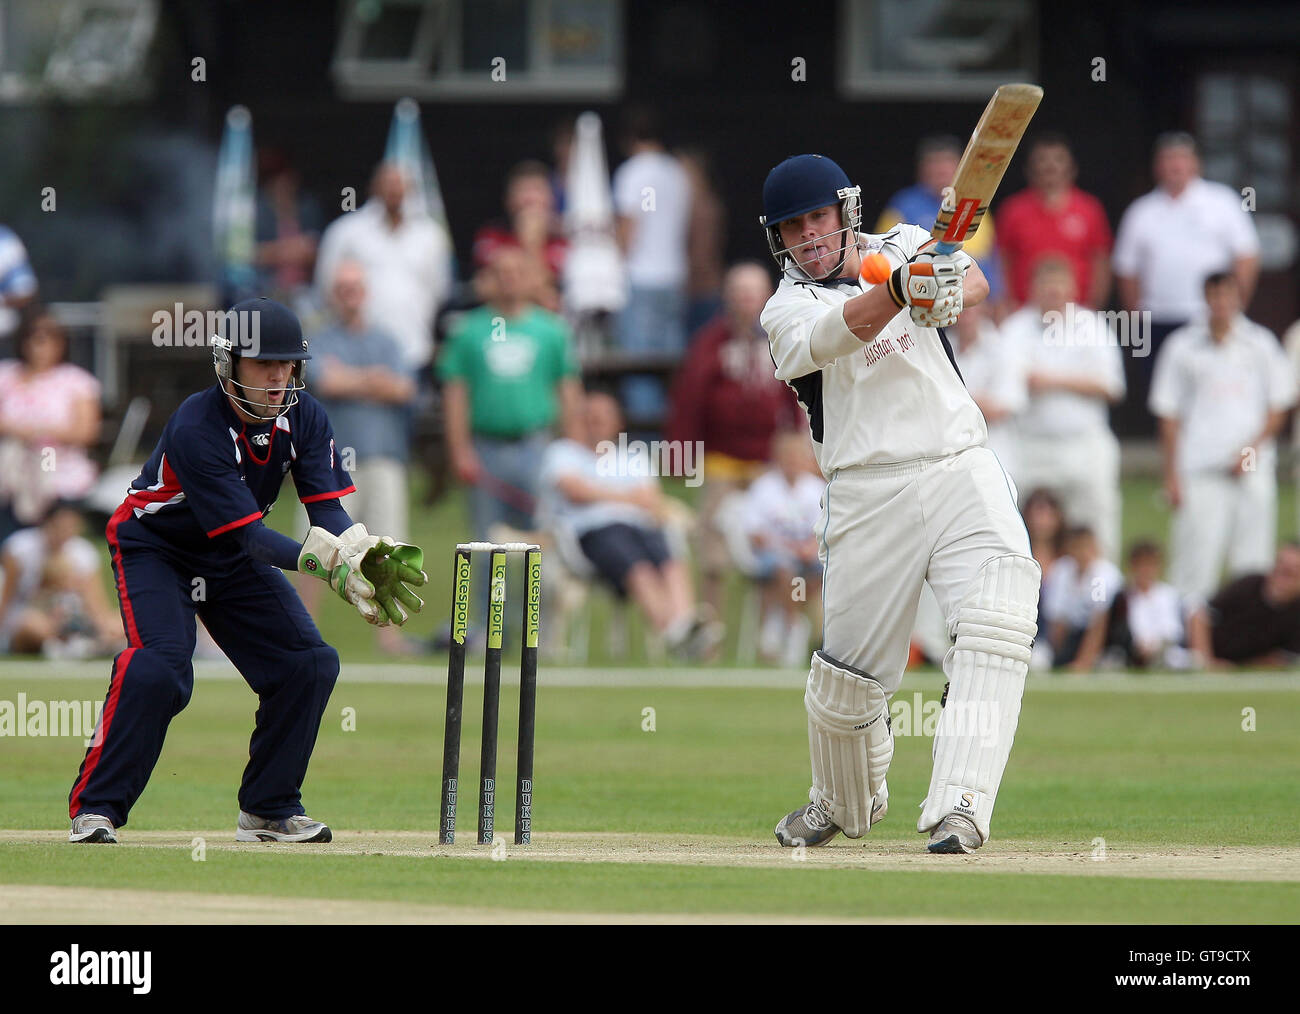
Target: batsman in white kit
(913, 495)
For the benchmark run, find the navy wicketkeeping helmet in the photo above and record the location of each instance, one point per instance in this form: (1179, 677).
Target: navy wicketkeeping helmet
(260, 328)
(804, 183)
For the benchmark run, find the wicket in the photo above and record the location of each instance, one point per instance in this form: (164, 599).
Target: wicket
(532, 601)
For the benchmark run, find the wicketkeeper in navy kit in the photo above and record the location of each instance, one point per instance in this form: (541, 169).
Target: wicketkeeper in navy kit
(189, 541)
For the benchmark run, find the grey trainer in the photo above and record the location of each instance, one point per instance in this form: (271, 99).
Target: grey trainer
(955, 835)
(92, 829)
(293, 829)
(809, 825)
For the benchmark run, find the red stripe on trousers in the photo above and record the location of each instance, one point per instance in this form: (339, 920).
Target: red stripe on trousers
(120, 665)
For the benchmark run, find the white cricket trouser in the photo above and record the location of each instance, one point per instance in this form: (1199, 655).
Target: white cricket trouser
(1223, 519)
(886, 529)
(1081, 469)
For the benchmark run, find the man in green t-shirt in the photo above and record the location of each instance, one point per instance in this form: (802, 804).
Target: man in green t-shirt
(510, 381)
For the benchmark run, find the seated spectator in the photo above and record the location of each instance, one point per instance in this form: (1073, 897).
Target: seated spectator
(1076, 595)
(1148, 625)
(781, 510)
(49, 418)
(358, 376)
(53, 602)
(727, 398)
(597, 497)
(531, 225)
(1255, 620)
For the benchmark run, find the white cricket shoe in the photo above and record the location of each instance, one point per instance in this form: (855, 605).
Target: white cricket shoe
(291, 829)
(92, 829)
(955, 835)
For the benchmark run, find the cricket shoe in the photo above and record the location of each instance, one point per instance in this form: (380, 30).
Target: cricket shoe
(809, 825)
(955, 835)
(293, 829)
(92, 829)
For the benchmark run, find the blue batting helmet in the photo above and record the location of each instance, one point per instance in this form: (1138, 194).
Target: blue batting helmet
(804, 183)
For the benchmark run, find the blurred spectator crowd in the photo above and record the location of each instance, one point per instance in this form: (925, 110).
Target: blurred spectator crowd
(568, 441)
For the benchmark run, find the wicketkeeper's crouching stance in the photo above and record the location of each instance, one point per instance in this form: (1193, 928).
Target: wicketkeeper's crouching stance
(913, 496)
(189, 541)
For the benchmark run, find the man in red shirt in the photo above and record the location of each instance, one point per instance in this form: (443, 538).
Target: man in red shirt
(532, 225)
(726, 396)
(1053, 216)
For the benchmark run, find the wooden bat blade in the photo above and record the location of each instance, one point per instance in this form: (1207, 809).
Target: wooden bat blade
(983, 163)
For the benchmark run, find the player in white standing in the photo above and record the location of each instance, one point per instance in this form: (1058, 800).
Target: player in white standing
(913, 495)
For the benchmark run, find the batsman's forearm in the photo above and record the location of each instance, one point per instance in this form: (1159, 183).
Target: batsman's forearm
(844, 330)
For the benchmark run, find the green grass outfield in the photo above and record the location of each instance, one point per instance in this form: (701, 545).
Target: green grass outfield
(1127, 800)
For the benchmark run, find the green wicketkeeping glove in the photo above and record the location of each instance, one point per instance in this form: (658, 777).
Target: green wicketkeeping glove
(338, 560)
(390, 567)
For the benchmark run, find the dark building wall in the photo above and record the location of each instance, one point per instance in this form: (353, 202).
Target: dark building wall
(718, 73)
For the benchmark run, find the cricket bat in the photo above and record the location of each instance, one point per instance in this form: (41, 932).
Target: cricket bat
(996, 137)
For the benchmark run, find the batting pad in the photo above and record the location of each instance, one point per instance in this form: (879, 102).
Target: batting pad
(986, 669)
(849, 741)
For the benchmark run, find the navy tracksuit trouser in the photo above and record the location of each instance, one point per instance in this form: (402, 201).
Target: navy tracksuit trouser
(257, 619)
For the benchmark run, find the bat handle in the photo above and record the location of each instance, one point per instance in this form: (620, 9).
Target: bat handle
(946, 248)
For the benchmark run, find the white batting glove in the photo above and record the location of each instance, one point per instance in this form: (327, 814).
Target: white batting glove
(930, 286)
(336, 559)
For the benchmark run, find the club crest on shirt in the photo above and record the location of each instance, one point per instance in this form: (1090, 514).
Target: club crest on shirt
(261, 439)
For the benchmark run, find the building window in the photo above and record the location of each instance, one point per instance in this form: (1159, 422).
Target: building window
(512, 50)
(935, 48)
(75, 49)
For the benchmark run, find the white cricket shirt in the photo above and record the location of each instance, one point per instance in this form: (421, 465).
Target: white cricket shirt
(408, 273)
(1077, 345)
(1221, 392)
(895, 398)
(1170, 244)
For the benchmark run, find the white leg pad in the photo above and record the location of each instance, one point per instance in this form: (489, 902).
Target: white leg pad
(849, 741)
(986, 667)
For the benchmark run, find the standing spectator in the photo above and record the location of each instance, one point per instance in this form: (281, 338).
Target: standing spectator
(288, 229)
(509, 377)
(727, 398)
(1053, 216)
(1077, 596)
(1075, 371)
(614, 511)
(49, 419)
(1255, 620)
(532, 225)
(17, 281)
(1045, 523)
(994, 372)
(1221, 391)
(936, 165)
(1171, 239)
(53, 600)
(706, 242)
(1291, 342)
(782, 508)
(652, 199)
(407, 260)
(366, 392)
